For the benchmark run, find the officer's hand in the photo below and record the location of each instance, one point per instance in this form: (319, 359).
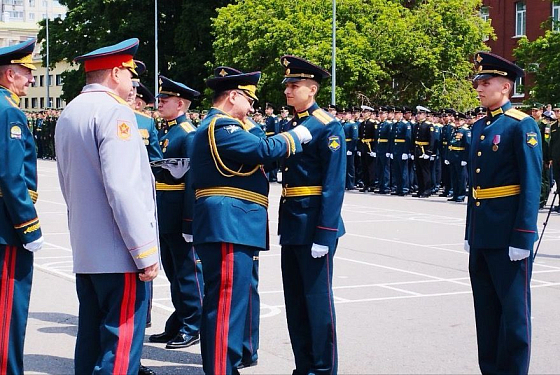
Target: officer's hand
(432, 158)
(149, 273)
(404, 156)
(188, 237)
(303, 134)
(391, 156)
(387, 155)
(411, 157)
(178, 170)
(35, 245)
(318, 251)
(359, 153)
(463, 163)
(372, 154)
(425, 156)
(516, 254)
(446, 162)
(466, 246)
(348, 153)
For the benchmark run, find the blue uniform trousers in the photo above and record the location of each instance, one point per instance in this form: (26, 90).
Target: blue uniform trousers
(184, 272)
(251, 334)
(350, 172)
(458, 180)
(111, 324)
(502, 304)
(383, 173)
(310, 309)
(227, 270)
(16, 273)
(401, 174)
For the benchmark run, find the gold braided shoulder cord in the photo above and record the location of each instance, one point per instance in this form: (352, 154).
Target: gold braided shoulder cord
(216, 156)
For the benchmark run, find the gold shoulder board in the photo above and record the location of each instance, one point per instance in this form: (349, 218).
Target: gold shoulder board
(516, 114)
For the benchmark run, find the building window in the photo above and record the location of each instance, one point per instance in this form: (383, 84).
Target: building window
(556, 15)
(520, 18)
(59, 80)
(485, 15)
(33, 102)
(42, 102)
(32, 16)
(34, 84)
(51, 82)
(26, 101)
(518, 87)
(41, 80)
(58, 103)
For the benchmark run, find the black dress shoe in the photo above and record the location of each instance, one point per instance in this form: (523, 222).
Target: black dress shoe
(452, 200)
(161, 337)
(143, 370)
(182, 340)
(248, 364)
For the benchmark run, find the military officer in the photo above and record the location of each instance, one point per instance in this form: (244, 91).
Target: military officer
(367, 137)
(351, 134)
(504, 171)
(544, 127)
(554, 153)
(423, 150)
(401, 136)
(102, 159)
(457, 156)
(272, 128)
(230, 218)
(144, 98)
(175, 202)
(20, 230)
(383, 154)
(284, 122)
(310, 222)
(446, 130)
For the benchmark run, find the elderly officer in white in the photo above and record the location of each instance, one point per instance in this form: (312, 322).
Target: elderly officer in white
(108, 186)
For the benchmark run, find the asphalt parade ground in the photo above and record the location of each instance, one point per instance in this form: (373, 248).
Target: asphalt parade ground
(401, 285)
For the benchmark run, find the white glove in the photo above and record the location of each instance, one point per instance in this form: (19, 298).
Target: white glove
(391, 156)
(318, 251)
(432, 158)
(35, 245)
(303, 134)
(188, 237)
(518, 254)
(411, 157)
(348, 153)
(466, 246)
(463, 163)
(404, 156)
(359, 153)
(387, 155)
(372, 154)
(425, 156)
(446, 162)
(177, 170)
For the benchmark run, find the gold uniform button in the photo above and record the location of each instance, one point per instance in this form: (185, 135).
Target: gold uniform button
(478, 188)
(482, 137)
(286, 169)
(477, 170)
(479, 153)
(477, 204)
(487, 122)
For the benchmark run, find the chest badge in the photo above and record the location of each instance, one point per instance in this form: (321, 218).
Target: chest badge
(495, 142)
(123, 131)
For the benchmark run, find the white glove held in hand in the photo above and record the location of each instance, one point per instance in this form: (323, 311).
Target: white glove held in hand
(518, 254)
(35, 245)
(178, 170)
(318, 251)
(425, 156)
(188, 237)
(404, 156)
(432, 158)
(466, 246)
(372, 154)
(463, 163)
(446, 162)
(387, 155)
(359, 153)
(411, 157)
(303, 134)
(348, 153)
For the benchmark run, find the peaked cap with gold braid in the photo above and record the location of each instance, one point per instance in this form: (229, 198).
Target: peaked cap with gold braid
(21, 53)
(227, 78)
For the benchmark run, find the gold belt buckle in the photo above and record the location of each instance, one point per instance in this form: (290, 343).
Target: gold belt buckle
(284, 191)
(474, 193)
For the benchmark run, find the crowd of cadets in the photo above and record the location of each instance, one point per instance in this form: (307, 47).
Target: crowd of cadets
(390, 150)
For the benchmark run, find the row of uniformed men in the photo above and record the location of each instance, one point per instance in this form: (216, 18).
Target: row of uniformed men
(42, 125)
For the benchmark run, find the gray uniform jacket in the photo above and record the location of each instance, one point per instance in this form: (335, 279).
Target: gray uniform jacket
(107, 184)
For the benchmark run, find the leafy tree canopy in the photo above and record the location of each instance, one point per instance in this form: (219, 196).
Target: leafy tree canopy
(397, 52)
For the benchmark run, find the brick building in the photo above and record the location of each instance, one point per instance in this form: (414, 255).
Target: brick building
(512, 19)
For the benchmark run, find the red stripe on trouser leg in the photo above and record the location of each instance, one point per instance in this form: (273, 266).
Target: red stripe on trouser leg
(224, 308)
(126, 325)
(6, 303)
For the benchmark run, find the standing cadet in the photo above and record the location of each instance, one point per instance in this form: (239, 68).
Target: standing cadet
(383, 154)
(102, 159)
(400, 146)
(272, 128)
(175, 203)
(457, 156)
(554, 154)
(544, 128)
(446, 130)
(284, 123)
(351, 134)
(367, 137)
(423, 150)
(310, 223)
(230, 221)
(20, 231)
(504, 172)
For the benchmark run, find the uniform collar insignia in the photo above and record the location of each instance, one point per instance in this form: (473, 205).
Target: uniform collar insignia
(172, 122)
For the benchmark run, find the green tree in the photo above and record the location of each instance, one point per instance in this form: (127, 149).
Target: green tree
(184, 40)
(388, 51)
